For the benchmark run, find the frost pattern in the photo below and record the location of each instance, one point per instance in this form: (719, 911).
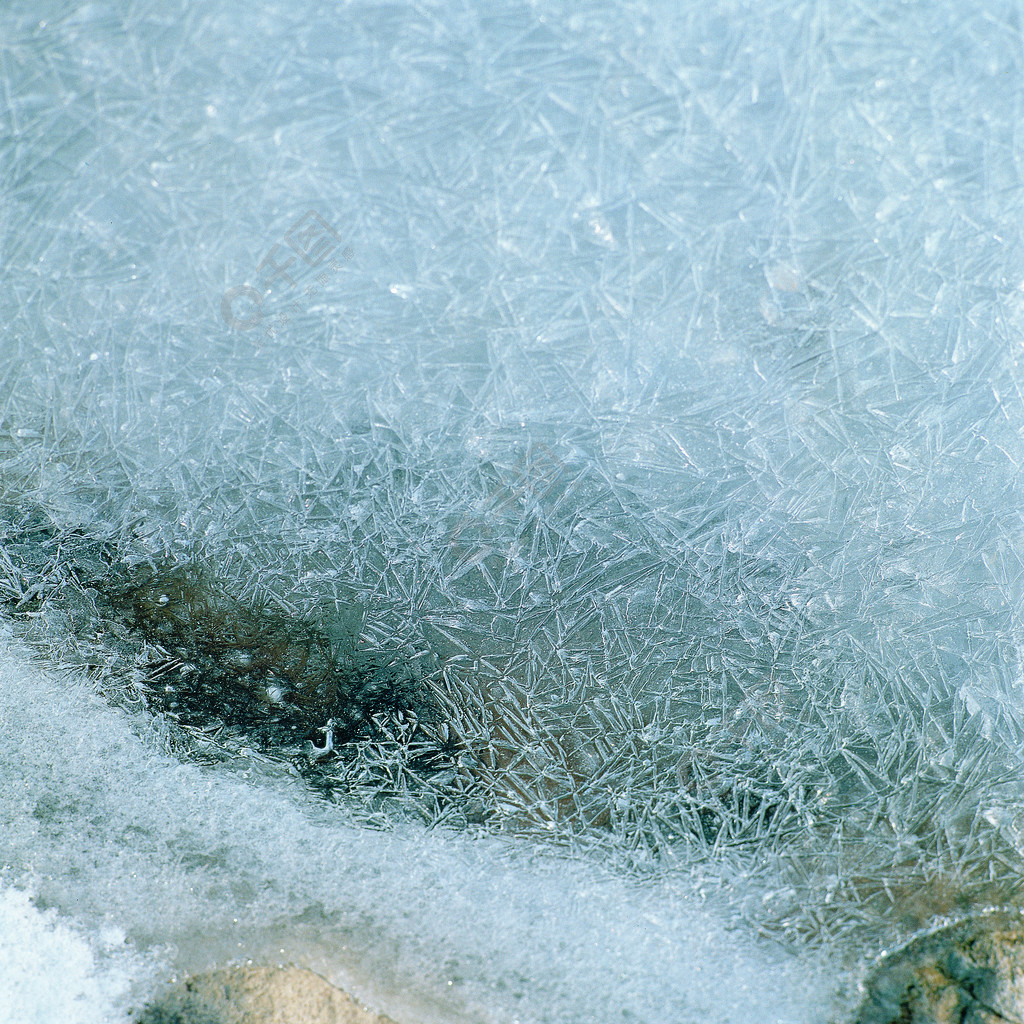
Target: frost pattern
(665, 417)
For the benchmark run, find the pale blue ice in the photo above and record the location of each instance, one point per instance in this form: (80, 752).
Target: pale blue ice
(660, 361)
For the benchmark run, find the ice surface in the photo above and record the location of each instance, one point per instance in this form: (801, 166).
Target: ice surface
(647, 379)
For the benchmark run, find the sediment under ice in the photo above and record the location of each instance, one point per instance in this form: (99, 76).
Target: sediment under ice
(641, 384)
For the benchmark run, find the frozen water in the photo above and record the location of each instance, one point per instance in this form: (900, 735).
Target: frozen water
(647, 380)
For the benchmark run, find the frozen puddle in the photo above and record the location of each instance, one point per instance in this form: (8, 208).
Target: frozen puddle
(639, 382)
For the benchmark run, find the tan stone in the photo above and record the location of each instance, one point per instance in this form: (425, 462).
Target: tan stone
(258, 995)
(968, 973)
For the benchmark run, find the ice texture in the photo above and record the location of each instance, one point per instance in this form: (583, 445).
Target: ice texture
(645, 377)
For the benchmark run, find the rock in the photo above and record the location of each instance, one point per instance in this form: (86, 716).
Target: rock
(257, 995)
(968, 973)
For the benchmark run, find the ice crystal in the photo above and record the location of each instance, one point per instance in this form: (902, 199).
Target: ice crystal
(609, 417)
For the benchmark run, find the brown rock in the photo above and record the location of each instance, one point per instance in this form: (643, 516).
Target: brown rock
(967, 973)
(257, 995)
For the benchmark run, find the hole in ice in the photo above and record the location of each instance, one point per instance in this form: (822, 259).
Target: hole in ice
(203, 657)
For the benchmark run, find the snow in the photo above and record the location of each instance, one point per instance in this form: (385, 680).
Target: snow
(646, 375)
(50, 971)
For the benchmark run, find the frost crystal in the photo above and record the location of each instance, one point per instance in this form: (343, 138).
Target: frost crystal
(595, 424)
